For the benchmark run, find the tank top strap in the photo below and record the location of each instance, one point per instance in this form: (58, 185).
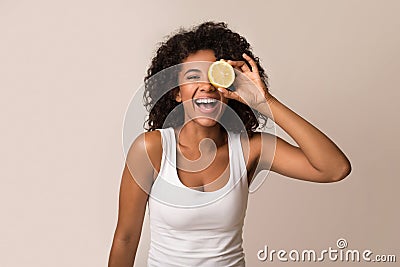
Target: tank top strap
(168, 142)
(237, 156)
(168, 158)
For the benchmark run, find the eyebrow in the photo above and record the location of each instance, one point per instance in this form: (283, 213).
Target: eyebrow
(189, 70)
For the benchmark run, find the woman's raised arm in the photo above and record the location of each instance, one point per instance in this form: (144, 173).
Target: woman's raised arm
(316, 159)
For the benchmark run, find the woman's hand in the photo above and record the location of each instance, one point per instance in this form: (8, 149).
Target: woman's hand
(249, 87)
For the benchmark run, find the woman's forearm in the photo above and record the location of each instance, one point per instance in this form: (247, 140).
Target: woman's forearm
(321, 152)
(122, 254)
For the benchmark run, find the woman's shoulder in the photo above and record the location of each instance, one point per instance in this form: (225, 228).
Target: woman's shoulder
(153, 143)
(152, 138)
(252, 140)
(252, 144)
(147, 141)
(256, 138)
(146, 151)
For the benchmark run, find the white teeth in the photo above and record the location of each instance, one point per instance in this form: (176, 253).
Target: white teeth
(205, 100)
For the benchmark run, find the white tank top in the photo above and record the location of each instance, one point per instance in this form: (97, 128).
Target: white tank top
(194, 228)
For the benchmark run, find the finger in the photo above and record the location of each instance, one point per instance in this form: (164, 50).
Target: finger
(253, 64)
(241, 65)
(228, 94)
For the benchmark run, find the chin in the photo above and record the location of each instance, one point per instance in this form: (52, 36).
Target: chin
(206, 122)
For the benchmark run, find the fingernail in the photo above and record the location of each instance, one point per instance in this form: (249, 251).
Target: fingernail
(220, 89)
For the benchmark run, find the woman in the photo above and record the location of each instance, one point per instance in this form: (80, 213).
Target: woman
(208, 157)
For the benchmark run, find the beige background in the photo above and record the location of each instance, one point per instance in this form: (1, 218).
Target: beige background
(68, 70)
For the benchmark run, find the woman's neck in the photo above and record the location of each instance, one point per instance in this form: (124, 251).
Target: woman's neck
(191, 134)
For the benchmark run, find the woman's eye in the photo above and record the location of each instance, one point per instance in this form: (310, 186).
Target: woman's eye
(193, 77)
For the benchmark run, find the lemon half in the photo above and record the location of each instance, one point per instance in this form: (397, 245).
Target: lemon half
(221, 74)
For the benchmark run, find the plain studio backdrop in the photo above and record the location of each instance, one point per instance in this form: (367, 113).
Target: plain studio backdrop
(69, 69)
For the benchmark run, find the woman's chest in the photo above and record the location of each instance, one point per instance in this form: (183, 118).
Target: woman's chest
(226, 212)
(206, 171)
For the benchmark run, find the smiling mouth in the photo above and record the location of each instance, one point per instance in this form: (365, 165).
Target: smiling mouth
(207, 105)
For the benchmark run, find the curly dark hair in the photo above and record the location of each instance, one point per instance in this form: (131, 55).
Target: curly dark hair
(226, 44)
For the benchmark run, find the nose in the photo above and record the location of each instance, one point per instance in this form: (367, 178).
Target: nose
(207, 87)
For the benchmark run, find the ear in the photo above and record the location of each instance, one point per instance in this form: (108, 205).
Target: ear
(178, 97)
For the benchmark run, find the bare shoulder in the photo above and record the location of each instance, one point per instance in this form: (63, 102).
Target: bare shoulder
(153, 144)
(144, 155)
(152, 140)
(251, 149)
(148, 142)
(253, 144)
(258, 150)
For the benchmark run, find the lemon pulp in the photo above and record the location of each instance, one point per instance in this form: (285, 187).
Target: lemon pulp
(221, 74)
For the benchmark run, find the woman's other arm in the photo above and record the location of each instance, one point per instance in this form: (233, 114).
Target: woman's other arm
(132, 207)
(135, 185)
